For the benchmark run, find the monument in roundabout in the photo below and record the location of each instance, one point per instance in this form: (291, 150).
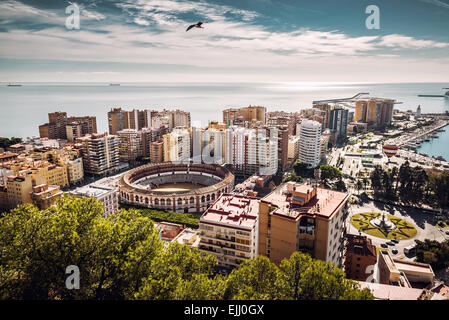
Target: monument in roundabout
(383, 225)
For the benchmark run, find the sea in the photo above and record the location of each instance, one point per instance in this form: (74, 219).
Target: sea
(24, 108)
(438, 146)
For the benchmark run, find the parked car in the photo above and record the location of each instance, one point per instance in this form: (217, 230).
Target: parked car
(383, 245)
(395, 241)
(390, 243)
(394, 251)
(447, 232)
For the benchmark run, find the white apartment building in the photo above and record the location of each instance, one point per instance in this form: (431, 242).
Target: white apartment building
(177, 145)
(100, 153)
(309, 143)
(108, 196)
(252, 151)
(293, 148)
(230, 229)
(208, 145)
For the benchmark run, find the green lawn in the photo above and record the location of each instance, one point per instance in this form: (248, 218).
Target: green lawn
(403, 230)
(187, 219)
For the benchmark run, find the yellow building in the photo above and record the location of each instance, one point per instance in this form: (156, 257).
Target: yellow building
(18, 189)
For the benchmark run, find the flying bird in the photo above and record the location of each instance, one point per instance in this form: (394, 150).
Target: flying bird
(196, 25)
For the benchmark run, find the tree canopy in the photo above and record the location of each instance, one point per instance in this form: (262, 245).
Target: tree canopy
(411, 185)
(123, 257)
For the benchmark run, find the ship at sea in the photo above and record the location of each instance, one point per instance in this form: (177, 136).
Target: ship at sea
(445, 95)
(13, 85)
(114, 84)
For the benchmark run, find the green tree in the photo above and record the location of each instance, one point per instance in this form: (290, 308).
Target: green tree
(376, 178)
(255, 279)
(328, 172)
(5, 142)
(308, 279)
(37, 246)
(359, 185)
(175, 266)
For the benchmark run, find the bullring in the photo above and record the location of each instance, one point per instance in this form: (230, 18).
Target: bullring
(175, 187)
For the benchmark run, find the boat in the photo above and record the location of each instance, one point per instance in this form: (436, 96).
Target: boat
(445, 95)
(114, 84)
(13, 85)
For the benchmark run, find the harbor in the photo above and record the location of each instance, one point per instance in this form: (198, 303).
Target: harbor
(411, 145)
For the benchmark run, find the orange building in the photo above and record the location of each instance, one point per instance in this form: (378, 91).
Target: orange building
(241, 115)
(302, 217)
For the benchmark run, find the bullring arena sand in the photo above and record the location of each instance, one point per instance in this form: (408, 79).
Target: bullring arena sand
(176, 187)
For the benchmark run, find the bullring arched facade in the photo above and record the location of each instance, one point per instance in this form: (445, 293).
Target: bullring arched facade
(214, 180)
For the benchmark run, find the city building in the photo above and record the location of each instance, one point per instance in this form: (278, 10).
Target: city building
(150, 135)
(56, 126)
(389, 292)
(107, 196)
(157, 151)
(130, 145)
(303, 217)
(188, 236)
(41, 171)
(360, 257)
(100, 153)
(7, 156)
(217, 125)
(208, 145)
(250, 151)
(338, 123)
(288, 120)
(309, 143)
(169, 231)
(376, 112)
(66, 157)
(88, 124)
(177, 145)
(293, 148)
(320, 113)
(119, 119)
(229, 229)
(324, 143)
(73, 131)
(44, 196)
(18, 189)
(239, 116)
(403, 273)
(59, 125)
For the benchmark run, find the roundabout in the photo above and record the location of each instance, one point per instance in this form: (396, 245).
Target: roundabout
(383, 225)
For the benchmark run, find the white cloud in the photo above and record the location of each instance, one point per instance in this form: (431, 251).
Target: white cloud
(401, 41)
(223, 43)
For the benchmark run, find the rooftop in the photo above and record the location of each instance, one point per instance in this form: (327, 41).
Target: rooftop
(388, 292)
(294, 200)
(234, 211)
(360, 245)
(91, 191)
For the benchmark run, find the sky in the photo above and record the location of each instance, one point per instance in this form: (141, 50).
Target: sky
(242, 41)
